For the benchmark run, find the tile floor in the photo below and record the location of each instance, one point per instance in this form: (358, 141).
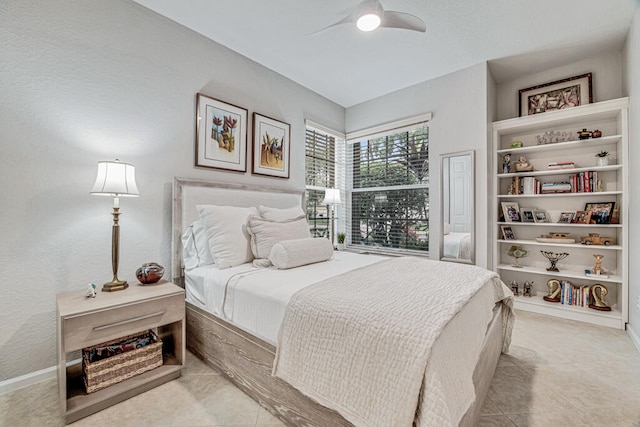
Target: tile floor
(558, 373)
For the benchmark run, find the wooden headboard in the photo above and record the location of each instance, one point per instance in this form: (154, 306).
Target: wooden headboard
(188, 193)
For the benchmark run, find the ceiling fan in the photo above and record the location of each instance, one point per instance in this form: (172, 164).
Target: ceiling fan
(370, 14)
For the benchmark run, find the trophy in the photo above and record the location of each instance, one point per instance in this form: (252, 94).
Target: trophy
(554, 258)
(598, 300)
(554, 291)
(517, 252)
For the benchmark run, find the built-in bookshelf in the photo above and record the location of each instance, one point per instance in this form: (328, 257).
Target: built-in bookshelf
(571, 168)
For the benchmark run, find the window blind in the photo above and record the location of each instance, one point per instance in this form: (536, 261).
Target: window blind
(324, 166)
(388, 185)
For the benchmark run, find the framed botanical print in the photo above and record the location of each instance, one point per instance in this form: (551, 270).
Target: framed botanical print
(221, 135)
(271, 146)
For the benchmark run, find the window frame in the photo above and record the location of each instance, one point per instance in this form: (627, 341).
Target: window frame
(393, 128)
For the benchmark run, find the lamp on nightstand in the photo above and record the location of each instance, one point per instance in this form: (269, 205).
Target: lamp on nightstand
(332, 198)
(115, 179)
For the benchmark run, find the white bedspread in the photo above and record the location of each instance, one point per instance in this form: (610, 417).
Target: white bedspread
(457, 245)
(360, 343)
(255, 298)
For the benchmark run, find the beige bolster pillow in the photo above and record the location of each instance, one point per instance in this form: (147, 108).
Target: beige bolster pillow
(294, 253)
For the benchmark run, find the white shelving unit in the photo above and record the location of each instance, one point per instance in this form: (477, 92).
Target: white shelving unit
(611, 118)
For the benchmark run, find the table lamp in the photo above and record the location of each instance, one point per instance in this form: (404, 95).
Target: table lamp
(332, 198)
(115, 179)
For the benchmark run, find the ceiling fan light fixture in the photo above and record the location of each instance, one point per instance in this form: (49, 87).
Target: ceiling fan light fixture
(368, 22)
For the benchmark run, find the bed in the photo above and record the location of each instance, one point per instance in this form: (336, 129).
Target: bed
(235, 319)
(457, 245)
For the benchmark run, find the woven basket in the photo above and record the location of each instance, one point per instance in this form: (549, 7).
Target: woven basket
(106, 372)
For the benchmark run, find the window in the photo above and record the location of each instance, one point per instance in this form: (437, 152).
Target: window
(388, 181)
(322, 170)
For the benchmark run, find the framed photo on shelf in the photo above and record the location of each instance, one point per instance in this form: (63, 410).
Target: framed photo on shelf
(557, 95)
(221, 135)
(511, 211)
(526, 215)
(540, 216)
(507, 232)
(271, 145)
(566, 217)
(582, 217)
(600, 212)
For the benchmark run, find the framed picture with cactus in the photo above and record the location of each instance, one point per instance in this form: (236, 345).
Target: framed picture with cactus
(270, 146)
(221, 135)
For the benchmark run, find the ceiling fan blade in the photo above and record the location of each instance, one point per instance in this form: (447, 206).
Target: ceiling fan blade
(349, 19)
(405, 21)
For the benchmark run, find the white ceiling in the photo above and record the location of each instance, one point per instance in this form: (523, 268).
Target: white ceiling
(349, 67)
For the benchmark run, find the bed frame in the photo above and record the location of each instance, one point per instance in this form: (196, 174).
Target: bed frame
(247, 360)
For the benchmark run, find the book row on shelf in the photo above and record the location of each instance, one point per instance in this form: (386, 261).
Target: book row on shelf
(583, 182)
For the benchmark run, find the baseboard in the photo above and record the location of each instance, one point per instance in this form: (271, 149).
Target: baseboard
(635, 337)
(27, 380)
(32, 378)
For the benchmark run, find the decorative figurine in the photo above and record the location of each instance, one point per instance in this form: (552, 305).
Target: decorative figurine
(584, 134)
(597, 266)
(506, 163)
(527, 289)
(514, 288)
(522, 165)
(596, 239)
(553, 258)
(554, 291)
(596, 134)
(517, 252)
(91, 291)
(598, 300)
(149, 273)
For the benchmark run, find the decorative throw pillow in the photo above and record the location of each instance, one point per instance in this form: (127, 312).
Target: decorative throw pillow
(226, 228)
(195, 247)
(277, 214)
(264, 233)
(294, 253)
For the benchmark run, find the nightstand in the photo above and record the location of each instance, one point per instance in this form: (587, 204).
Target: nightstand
(83, 322)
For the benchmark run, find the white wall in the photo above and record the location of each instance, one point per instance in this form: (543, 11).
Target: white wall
(459, 123)
(92, 80)
(607, 76)
(631, 88)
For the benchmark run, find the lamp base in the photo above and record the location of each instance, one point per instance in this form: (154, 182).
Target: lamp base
(116, 285)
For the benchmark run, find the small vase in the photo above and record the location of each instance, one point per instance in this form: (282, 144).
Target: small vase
(149, 273)
(603, 161)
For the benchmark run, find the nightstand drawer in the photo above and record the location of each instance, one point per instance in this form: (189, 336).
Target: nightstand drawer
(104, 325)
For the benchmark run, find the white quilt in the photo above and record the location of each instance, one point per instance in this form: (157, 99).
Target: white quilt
(360, 343)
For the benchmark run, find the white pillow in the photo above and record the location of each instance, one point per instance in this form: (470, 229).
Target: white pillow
(195, 247)
(226, 228)
(276, 214)
(294, 253)
(264, 234)
(447, 228)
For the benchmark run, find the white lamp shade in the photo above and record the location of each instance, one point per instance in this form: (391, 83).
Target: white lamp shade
(331, 197)
(115, 179)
